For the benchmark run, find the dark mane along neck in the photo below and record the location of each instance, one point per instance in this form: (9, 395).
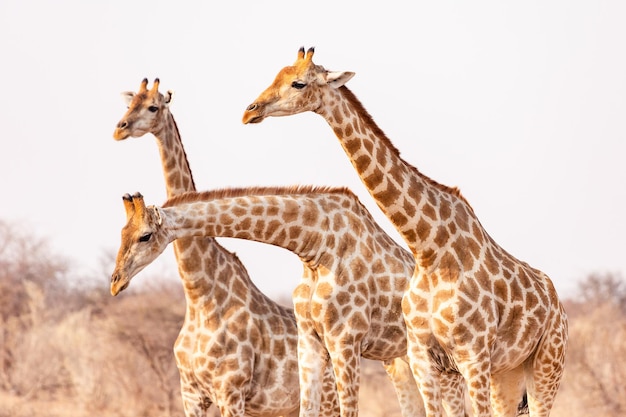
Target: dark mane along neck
(175, 136)
(193, 196)
(370, 124)
(367, 119)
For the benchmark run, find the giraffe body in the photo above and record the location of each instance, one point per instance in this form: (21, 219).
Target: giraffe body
(348, 303)
(246, 369)
(498, 320)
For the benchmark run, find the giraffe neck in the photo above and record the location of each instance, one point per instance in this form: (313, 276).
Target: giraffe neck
(410, 200)
(199, 260)
(302, 224)
(176, 170)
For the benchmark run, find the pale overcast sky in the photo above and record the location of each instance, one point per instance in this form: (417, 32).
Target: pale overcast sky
(520, 104)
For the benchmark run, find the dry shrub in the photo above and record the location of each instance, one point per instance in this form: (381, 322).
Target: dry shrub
(109, 360)
(141, 330)
(595, 376)
(77, 351)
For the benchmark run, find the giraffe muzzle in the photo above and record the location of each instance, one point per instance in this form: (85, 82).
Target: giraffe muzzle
(252, 114)
(115, 287)
(121, 131)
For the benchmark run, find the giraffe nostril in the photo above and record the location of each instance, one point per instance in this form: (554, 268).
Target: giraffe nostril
(115, 278)
(122, 125)
(252, 106)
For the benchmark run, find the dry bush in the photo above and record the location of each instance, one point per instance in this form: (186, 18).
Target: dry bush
(595, 375)
(37, 362)
(142, 329)
(30, 277)
(113, 359)
(75, 351)
(26, 258)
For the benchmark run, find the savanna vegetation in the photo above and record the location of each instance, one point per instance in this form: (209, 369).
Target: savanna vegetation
(68, 348)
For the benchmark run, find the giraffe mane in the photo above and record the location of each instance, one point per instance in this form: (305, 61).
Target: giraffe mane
(182, 147)
(369, 121)
(231, 192)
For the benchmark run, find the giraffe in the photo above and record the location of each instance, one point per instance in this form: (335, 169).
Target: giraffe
(348, 304)
(244, 370)
(497, 319)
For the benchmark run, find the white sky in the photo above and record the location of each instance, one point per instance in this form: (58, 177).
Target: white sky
(520, 104)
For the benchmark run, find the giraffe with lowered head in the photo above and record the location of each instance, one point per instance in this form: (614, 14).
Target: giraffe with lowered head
(497, 319)
(237, 348)
(348, 305)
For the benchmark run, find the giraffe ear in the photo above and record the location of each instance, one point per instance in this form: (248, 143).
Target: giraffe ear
(168, 97)
(338, 78)
(127, 96)
(157, 214)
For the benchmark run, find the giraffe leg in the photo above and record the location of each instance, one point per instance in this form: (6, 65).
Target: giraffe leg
(477, 374)
(234, 405)
(544, 369)
(311, 363)
(401, 377)
(312, 354)
(411, 404)
(453, 393)
(329, 405)
(425, 375)
(346, 361)
(507, 389)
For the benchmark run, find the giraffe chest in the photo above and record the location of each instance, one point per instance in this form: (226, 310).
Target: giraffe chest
(358, 312)
(471, 316)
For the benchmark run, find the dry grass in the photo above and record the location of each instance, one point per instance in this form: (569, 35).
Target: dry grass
(79, 352)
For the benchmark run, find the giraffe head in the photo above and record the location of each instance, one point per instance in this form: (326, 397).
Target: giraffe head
(145, 111)
(143, 240)
(296, 89)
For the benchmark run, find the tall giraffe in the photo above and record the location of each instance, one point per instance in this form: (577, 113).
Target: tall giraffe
(347, 305)
(499, 320)
(246, 369)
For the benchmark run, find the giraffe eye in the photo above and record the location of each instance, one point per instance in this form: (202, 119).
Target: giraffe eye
(298, 85)
(145, 237)
(153, 108)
